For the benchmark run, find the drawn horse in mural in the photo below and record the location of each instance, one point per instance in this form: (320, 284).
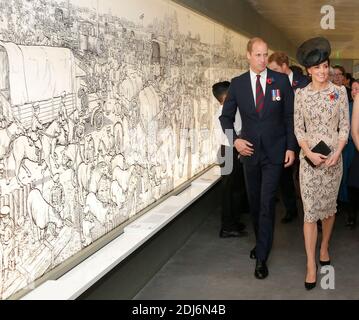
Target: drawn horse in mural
(134, 189)
(88, 178)
(41, 214)
(121, 181)
(55, 135)
(7, 135)
(71, 153)
(24, 149)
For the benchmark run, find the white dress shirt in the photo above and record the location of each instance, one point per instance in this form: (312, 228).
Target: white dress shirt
(263, 81)
(220, 137)
(290, 76)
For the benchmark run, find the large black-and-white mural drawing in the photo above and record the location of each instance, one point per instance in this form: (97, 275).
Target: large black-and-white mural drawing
(105, 106)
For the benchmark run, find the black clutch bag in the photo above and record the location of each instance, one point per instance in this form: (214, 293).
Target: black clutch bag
(321, 148)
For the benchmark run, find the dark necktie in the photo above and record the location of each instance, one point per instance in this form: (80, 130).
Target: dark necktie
(259, 95)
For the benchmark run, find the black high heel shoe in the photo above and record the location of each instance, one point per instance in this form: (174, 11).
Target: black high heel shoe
(324, 263)
(311, 285)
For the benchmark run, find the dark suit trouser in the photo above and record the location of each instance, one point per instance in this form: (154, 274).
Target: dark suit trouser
(287, 190)
(353, 203)
(262, 184)
(234, 196)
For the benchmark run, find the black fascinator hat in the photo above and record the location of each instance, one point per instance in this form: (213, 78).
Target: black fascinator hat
(313, 52)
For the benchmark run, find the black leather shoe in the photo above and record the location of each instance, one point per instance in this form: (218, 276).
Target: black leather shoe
(261, 271)
(311, 285)
(232, 234)
(252, 254)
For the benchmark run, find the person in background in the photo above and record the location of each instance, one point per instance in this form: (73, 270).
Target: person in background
(297, 70)
(279, 61)
(340, 78)
(348, 81)
(348, 154)
(234, 197)
(353, 179)
(331, 74)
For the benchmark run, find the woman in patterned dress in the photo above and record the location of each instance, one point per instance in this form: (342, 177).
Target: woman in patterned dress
(320, 113)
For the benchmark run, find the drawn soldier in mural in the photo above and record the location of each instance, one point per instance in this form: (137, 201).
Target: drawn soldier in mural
(101, 151)
(155, 181)
(104, 187)
(63, 117)
(89, 156)
(84, 101)
(117, 106)
(36, 131)
(22, 239)
(88, 223)
(183, 135)
(111, 143)
(62, 110)
(3, 122)
(124, 108)
(7, 228)
(57, 195)
(68, 164)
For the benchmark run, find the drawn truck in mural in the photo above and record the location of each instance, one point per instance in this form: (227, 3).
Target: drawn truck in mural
(50, 76)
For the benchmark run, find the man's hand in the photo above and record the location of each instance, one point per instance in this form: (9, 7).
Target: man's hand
(244, 147)
(289, 158)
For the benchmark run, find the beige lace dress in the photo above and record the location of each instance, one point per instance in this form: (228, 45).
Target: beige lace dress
(320, 115)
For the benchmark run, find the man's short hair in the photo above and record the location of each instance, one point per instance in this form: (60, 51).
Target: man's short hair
(252, 41)
(342, 70)
(354, 81)
(220, 88)
(279, 58)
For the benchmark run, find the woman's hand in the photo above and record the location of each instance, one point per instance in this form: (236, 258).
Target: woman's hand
(333, 160)
(316, 158)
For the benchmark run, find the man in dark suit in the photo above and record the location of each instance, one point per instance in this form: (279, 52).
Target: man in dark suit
(265, 101)
(299, 79)
(279, 61)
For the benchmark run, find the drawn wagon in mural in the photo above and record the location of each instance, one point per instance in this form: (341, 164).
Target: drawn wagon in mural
(92, 108)
(49, 76)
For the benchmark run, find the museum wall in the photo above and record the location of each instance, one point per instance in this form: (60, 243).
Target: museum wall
(240, 16)
(105, 107)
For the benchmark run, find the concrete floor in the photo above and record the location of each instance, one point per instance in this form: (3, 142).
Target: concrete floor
(208, 267)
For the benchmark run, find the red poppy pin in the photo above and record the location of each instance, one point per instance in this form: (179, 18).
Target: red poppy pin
(333, 96)
(294, 83)
(270, 80)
